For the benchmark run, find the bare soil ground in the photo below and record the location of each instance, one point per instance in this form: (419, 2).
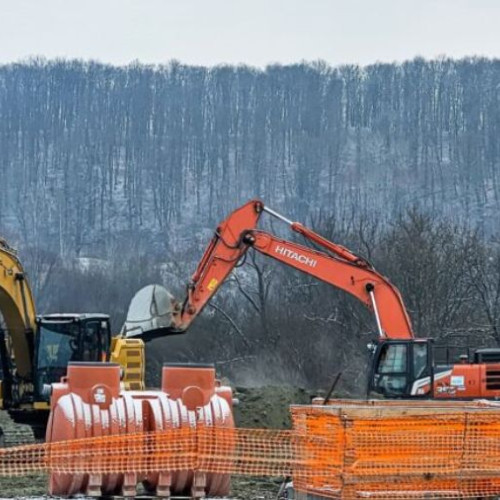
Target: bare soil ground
(265, 407)
(23, 486)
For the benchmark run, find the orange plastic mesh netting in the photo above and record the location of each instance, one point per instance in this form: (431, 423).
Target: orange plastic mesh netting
(337, 451)
(405, 451)
(207, 449)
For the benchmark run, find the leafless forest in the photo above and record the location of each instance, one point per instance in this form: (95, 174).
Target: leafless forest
(115, 177)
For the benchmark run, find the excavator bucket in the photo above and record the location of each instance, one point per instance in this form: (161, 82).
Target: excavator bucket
(150, 314)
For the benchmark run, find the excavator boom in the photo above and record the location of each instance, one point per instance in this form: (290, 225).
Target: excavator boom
(371, 288)
(17, 308)
(332, 264)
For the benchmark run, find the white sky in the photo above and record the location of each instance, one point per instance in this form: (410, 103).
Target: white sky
(254, 32)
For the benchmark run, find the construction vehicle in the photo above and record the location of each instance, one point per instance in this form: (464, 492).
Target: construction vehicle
(35, 351)
(402, 365)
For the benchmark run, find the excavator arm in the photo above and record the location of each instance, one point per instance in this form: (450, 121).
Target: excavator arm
(332, 264)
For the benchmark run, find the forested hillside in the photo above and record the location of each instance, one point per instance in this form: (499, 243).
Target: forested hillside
(89, 152)
(114, 177)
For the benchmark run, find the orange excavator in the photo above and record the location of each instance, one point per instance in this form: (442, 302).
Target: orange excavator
(402, 365)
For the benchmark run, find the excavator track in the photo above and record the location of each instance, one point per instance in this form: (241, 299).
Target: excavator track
(12, 433)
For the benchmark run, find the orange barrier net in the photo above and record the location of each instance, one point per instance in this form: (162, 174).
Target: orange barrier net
(388, 451)
(338, 451)
(252, 452)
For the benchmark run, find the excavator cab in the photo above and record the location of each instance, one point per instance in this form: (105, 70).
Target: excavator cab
(402, 368)
(62, 338)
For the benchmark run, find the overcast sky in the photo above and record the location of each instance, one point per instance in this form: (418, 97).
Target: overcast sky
(254, 32)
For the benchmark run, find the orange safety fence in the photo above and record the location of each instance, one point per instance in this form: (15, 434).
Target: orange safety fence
(343, 450)
(383, 450)
(222, 450)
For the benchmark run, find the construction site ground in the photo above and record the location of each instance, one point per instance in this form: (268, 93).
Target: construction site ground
(264, 408)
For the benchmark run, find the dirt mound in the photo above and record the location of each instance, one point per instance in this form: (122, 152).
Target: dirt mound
(268, 407)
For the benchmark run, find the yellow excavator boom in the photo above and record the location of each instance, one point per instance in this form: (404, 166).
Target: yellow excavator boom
(17, 308)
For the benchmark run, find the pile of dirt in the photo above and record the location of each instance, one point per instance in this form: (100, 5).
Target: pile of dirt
(264, 408)
(268, 407)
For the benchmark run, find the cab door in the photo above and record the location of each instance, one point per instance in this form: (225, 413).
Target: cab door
(95, 340)
(402, 369)
(390, 369)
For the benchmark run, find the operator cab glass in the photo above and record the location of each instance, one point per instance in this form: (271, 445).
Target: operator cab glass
(402, 369)
(64, 338)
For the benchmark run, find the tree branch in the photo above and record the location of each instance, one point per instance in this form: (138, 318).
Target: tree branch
(233, 324)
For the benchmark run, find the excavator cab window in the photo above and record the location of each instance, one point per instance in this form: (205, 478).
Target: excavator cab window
(95, 340)
(57, 345)
(402, 369)
(63, 339)
(391, 374)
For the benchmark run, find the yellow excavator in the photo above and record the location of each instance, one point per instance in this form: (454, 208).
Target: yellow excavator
(35, 351)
